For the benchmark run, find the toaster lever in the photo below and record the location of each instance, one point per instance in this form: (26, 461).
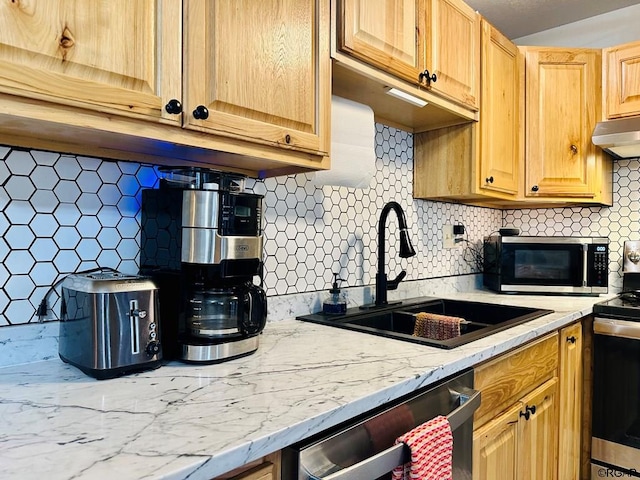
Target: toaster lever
(134, 315)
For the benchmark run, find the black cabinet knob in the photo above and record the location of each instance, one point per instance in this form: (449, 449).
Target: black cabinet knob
(534, 188)
(528, 411)
(489, 179)
(173, 107)
(571, 339)
(574, 149)
(428, 77)
(287, 139)
(201, 113)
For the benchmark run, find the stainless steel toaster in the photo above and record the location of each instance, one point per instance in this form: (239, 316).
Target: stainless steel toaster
(109, 324)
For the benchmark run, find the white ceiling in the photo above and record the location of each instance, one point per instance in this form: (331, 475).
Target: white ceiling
(517, 18)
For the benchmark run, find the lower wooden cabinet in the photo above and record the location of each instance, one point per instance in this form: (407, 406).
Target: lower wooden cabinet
(529, 423)
(522, 442)
(266, 468)
(516, 424)
(570, 401)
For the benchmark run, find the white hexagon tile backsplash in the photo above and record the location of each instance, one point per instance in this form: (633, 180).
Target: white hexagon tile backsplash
(64, 213)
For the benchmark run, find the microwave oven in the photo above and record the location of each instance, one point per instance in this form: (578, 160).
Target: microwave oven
(554, 265)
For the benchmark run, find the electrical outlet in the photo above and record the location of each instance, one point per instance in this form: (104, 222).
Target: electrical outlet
(448, 238)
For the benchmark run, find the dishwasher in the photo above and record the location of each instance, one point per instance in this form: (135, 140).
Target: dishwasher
(364, 449)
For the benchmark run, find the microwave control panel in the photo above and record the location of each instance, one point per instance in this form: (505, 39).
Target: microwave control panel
(598, 265)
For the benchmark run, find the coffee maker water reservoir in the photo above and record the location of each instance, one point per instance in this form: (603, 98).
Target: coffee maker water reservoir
(202, 244)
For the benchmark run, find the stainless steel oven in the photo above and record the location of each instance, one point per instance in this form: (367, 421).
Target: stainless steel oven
(615, 444)
(364, 449)
(615, 439)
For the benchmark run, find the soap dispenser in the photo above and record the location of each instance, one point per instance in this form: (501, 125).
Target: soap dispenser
(336, 302)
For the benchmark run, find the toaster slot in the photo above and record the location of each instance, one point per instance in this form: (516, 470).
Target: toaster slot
(135, 327)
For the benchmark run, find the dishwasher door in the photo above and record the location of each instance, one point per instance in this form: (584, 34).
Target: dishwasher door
(365, 449)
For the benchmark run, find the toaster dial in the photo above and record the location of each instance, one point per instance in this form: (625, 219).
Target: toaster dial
(153, 348)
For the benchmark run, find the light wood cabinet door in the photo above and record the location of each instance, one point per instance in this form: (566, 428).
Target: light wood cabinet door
(388, 34)
(260, 69)
(538, 433)
(501, 114)
(563, 104)
(570, 402)
(622, 79)
(521, 443)
(495, 447)
(453, 50)
(83, 54)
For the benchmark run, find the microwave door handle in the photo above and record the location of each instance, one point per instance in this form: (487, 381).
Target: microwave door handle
(385, 461)
(585, 258)
(616, 328)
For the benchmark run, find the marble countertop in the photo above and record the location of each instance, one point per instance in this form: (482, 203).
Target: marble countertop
(185, 421)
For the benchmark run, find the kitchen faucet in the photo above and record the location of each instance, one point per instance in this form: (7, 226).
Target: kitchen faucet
(406, 251)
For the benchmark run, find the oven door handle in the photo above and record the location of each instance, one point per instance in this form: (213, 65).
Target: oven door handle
(616, 328)
(387, 460)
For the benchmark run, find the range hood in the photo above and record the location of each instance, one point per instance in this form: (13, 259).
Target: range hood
(620, 138)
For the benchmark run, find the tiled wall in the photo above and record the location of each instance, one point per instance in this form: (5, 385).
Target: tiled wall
(61, 213)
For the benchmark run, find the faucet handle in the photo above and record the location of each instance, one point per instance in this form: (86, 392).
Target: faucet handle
(393, 284)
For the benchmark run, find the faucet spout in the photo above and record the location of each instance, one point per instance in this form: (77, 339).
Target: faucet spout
(406, 251)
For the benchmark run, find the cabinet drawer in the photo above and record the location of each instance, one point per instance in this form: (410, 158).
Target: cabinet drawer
(265, 468)
(509, 377)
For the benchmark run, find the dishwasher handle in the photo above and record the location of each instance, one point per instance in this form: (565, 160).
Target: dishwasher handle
(387, 460)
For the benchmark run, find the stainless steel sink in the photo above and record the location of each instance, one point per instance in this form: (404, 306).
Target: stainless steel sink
(398, 321)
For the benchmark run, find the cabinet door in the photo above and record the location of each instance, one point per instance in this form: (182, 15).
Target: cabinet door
(495, 447)
(563, 105)
(83, 54)
(501, 142)
(388, 34)
(538, 453)
(453, 50)
(622, 73)
(259, 71)
(570, 401)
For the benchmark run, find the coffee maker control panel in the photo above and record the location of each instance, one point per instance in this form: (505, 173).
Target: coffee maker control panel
(241, 215)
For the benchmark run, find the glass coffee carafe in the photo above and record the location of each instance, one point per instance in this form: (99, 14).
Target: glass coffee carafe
(225, 313)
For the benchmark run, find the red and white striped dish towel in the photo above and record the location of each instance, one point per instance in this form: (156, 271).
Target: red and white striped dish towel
(431, 446)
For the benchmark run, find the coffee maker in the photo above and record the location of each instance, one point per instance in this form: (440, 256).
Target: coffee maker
(202, 244)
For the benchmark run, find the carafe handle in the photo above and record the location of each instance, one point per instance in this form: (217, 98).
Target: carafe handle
(256, 318)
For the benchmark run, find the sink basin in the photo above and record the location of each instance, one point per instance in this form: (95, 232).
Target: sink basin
(398, 321)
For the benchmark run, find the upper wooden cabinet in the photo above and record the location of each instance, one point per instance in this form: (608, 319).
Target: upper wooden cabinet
(256, 68)
(427, 48)
(622, 80)
(501, 148)
(386, 33)
(479, 163)
(453, 50)
(563, 104)
(221, 83)
(84, 55)
(433, 43)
